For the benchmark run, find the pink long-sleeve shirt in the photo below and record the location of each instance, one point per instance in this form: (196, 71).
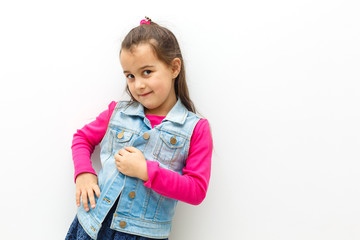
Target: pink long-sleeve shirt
(191, 187)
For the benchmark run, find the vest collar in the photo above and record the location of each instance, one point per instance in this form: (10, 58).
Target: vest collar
(177, 114)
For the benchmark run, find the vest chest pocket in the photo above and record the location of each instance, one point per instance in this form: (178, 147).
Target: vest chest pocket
(168, 151)
(120, 138)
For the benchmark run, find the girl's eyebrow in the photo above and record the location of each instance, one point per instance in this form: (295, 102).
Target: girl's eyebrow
(146, 66)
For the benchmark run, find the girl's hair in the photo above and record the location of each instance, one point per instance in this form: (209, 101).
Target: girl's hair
(166, 48)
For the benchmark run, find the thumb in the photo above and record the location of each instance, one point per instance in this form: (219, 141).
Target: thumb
(131, 149)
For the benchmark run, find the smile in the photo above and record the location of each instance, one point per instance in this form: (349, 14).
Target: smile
(144, 95)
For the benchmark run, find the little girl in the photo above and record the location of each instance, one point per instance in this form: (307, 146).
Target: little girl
(154, 149)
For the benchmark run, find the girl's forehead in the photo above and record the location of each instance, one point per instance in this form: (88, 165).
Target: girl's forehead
(138, 55)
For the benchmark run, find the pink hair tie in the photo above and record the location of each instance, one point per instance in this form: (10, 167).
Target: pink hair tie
(145, 21)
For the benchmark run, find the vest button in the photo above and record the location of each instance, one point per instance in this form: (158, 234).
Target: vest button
(122, 224)
(132, 195)
(173, 140)
(146, 136)
(121, 135)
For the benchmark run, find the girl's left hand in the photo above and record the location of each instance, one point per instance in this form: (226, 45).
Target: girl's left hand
(131, 162)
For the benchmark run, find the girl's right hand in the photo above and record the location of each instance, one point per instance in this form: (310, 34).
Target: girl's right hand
(86, 185)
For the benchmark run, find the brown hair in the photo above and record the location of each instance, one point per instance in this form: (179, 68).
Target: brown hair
(166, 48)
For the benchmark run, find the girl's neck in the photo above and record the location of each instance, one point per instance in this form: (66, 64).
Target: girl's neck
(156, 113)
(163, 109)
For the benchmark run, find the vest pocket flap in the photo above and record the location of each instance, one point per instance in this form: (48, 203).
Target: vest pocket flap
(172, 140)
(121, 135)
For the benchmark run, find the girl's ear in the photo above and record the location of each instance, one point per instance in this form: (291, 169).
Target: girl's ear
(176, 67)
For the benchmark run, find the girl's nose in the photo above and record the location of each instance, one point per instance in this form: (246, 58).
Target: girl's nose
(139, 83)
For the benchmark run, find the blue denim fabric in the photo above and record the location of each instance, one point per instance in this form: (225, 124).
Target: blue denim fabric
(140, 211)
(76, 232)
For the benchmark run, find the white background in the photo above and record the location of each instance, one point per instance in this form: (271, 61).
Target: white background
(278, 81)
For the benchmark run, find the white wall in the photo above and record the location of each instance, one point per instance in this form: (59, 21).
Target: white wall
(278, 80)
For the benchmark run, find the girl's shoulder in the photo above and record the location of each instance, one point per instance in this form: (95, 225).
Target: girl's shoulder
(112, 105)
(201, 138)
(202, 125)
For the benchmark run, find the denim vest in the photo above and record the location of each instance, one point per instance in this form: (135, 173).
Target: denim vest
(140, 210)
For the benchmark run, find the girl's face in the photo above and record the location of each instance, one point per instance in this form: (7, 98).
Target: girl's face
(150, 81)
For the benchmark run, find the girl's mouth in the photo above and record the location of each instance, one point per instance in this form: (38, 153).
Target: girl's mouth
(145, 95)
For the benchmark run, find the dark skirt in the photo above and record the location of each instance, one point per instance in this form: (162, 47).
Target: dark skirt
(76, 231)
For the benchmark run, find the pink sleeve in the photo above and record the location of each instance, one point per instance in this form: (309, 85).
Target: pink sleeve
(190, 187)
(86, 138)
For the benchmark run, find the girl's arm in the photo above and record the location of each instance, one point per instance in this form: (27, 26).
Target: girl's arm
(86, 138)
(190, 187)
(84, 142)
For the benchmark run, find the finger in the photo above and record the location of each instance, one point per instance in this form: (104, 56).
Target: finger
(78, 193)
(120, 168)
(131, 149)
(117, 157)
(118, 163)
(97, 190)
(91, 198)
(85, 201)
(122, 152)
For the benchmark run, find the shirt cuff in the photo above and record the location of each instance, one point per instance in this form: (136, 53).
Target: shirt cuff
(152, 167)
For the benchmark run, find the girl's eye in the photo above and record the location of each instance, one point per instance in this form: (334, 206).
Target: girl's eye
(147, 72)
(130, 76)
